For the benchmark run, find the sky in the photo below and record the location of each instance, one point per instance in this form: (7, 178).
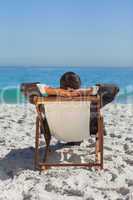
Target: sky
(66, 32)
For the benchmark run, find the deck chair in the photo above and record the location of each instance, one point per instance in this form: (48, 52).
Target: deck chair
(68, 120)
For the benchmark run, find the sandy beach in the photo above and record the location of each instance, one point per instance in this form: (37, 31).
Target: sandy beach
(19, 180)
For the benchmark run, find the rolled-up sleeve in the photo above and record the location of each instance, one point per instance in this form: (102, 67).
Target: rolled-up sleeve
(42, 89)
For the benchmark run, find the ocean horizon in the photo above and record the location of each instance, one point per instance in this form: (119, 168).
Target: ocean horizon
(12, 77)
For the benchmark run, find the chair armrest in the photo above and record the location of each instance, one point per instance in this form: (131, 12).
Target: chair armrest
(42, 100)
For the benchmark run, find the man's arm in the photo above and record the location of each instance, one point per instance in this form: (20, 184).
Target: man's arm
(88, 91)
(61, 92)
(31, 89)
(107, 92)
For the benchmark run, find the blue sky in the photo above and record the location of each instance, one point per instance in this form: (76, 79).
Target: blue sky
(66, 32)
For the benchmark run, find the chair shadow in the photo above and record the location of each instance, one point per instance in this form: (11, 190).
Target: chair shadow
(22, 159)
(15, 161)
(58, 156)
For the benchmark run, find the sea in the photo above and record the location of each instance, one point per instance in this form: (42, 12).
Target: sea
(12, 77)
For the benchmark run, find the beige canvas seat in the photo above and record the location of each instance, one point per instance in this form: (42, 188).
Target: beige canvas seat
(69, 121)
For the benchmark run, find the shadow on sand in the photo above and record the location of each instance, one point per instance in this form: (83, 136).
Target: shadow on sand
(22, 159)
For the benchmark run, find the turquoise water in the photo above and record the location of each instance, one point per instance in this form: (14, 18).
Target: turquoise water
(12, 77)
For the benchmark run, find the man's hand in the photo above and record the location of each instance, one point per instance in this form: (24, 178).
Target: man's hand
(68, 93)
(85, 91)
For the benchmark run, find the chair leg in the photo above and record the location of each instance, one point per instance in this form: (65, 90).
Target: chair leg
(99, 143)
(37, 143)
(47, 149)
(101, 140)
(97, 149)
(47, 138)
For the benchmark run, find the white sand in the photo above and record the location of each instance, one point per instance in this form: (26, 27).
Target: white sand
(19, 181)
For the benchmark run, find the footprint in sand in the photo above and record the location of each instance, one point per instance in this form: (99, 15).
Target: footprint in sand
(123, 191)
(129, 182)
(129, 162)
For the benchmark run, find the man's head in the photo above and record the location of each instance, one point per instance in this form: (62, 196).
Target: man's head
(70, 80)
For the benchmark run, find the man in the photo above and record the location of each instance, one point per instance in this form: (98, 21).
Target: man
(70, 86)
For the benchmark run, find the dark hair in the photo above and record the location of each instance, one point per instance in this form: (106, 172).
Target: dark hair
(70, 80)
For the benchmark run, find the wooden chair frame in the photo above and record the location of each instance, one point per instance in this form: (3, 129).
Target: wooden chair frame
(38, 101)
